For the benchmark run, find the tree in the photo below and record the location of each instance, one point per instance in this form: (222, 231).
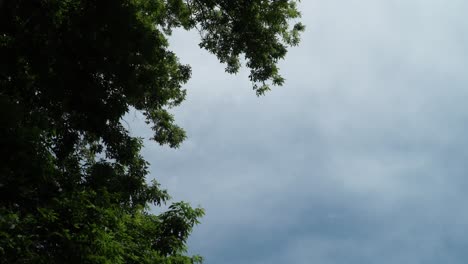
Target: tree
(72, 180)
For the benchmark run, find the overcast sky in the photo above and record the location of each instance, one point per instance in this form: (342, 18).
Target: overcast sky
(362, 156)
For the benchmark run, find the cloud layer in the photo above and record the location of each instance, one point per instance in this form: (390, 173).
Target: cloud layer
(360, 158)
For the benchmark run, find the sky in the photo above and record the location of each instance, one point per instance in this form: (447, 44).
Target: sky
(361, 157)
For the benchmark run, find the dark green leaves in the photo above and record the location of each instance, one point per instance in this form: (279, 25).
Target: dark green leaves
(73, 183)
(257, 30)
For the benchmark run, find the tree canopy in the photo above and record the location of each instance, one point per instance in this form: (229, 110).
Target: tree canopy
(73, 185)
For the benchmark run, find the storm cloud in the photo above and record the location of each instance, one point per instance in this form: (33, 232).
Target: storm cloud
(360, 158)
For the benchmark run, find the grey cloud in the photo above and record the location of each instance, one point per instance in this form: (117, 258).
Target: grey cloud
(360, 158)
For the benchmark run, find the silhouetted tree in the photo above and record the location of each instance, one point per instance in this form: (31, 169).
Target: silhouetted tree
(72, 179)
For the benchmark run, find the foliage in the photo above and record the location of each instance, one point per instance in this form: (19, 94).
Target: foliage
(73, 184)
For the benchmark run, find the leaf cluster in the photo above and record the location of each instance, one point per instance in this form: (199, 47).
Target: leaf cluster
(73, 185)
